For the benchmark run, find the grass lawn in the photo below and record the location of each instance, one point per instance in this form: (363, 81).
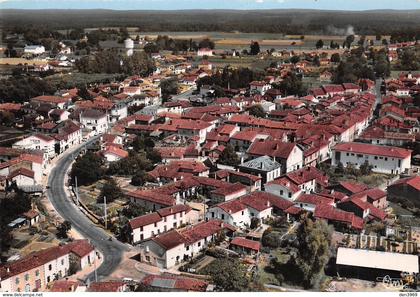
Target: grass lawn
(76, 78)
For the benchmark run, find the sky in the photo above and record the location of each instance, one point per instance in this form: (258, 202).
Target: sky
(210, 4)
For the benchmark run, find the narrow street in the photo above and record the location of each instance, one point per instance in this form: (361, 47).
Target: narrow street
(112, 250)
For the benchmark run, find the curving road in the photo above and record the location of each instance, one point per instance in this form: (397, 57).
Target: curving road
(112, 251)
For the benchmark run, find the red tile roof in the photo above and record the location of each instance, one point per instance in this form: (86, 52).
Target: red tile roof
(314, 199)
(21, 171)
(180, 283)
(230, 189)
(246, 243)
(328, 212)
(353, 187)
(371, 149)
(39, 258)
(107, 286)
(272, 148)
(64, 286)
(114, 150)
(285, 182)
(413, 181)
(145, 220)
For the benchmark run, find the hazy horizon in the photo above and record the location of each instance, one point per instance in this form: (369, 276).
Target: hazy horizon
(171, 5)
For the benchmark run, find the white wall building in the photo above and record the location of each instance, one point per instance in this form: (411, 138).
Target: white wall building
(384, 159)
(94, 120)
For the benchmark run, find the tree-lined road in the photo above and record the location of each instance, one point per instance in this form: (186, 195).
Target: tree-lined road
(112, 251)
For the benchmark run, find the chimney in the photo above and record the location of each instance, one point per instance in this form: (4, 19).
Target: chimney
(287, 184)
(221, 225)
(8, 269)
(171, 210)
(268, 203)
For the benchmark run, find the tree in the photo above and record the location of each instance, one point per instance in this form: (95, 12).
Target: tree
(292, 85)
(169, 87)
(340, 168)
(257, 111)
(255, 222)
(131, 165)
(335, 58)
(409, 60)
(139, 178)
(229, 157)
(319, 44)
(349, 40)
(316, 61)
(381, 64)
(63, 229)
(112, 61)
(228, 274)
(294, 59)
(271, 239)
(365, 168)
(254, 48)
(87, 168)
(314, 239)
(111, 191)
(206, 43)
(132, 210)
(83, 92)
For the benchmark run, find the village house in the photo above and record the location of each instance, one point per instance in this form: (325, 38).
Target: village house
(384, 159)
(94, 120)
(161, 221)
(113, 153)
(252, 182)
(260, 87)
(259, 205)
(205, 52)
(175, 283)
(406, 188)
(293, 184)
(289, 155)
(34, 49)
(171, 248)
(263, 166)
(24, 170)
(115, 286)
(242, 245)
(38, 141)
(177, 170)
(35, 271)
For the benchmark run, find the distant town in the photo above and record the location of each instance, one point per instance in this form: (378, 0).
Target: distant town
(135, 161)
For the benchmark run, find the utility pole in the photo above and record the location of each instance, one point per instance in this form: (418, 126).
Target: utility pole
(76, 190)
(106, 223)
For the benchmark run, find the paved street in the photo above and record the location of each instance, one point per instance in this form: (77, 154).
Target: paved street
(112, 251)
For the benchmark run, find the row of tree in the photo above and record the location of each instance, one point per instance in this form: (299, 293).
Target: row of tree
(113, 61)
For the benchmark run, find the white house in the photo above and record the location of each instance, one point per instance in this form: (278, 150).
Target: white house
(41, 142)
(259, 86)
(289, 155)
(384, 159)
(173, 247)
(205, 52)
(94, 120)
(113, 153)
(35, 271)
(163, 220)
(34, 49)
